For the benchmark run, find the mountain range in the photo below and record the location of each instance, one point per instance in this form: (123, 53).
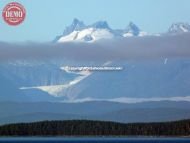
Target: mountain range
(37, 90)
(161, 79)
(80, 32)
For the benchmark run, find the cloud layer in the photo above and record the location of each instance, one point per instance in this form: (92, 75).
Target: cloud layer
(149, 47)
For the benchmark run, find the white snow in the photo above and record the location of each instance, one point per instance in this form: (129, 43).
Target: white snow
(127, 35)
(79, 36)
(57, 90)
(143, 33)
(91, 34)
(183, 29)
(71, 37)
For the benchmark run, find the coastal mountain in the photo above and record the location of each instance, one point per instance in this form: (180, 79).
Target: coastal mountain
(160, 79)
(79, 32)
(17, 112)
(157, 80)
(140, 81)
(133, 30)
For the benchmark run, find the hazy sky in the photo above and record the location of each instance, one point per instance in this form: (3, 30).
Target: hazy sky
(47, 18)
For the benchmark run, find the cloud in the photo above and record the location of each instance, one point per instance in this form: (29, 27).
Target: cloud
(149, 47)
(132, 100)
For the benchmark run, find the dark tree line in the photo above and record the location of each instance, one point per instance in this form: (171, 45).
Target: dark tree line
(96, 128)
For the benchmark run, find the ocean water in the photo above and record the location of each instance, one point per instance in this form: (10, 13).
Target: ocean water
(94, 140)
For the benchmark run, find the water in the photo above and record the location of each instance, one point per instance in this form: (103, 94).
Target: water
(94, 140)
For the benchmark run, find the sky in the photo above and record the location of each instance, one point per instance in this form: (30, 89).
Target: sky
(46, 19)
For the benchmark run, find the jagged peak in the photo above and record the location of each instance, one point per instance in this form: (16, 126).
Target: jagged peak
(75, 26)
(101, 25)
(132, 28)
(77, 22)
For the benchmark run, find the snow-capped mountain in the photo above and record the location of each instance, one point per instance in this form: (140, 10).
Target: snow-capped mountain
(162, 79)
(81, 33)
(77, 31)
(178, 28)
(133, 30)
(36, 79)
(87, 35)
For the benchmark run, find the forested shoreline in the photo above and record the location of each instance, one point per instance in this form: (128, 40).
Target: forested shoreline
(96, 128)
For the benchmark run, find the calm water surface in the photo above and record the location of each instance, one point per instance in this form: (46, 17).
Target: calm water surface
(94, 140)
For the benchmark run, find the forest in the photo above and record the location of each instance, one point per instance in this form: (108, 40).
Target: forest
(96, 128)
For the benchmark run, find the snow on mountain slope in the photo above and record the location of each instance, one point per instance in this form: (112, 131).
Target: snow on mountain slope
(133, 30)
(178, 28)
(87, 35)
(60, 90)
(147, 79)
(78, 32)
(156, 80)
(129, 34)
(33, 79)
